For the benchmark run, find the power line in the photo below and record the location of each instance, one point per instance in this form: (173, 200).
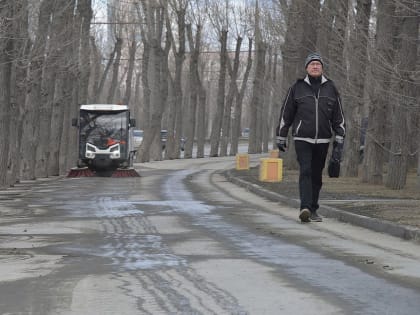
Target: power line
(105, 23)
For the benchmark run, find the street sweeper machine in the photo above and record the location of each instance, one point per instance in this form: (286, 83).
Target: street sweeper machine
(105, 133)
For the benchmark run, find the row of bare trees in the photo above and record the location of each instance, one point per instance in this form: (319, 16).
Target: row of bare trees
(44, 76)
(204, 70)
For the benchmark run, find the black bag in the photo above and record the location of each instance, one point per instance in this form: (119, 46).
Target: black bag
(334, 168)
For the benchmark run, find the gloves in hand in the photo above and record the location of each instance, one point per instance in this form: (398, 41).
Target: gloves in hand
(281, 144)
(337, 151)
(333, 168)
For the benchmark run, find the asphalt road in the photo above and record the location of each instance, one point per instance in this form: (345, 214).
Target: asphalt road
(181, 239)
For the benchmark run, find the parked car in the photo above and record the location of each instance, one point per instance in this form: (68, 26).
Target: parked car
(163, 138)
(182, 143)
(137, 137)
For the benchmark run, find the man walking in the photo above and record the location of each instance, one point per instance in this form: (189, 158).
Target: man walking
(313, 109)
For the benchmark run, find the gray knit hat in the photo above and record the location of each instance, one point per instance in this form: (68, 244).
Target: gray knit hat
(312, 57)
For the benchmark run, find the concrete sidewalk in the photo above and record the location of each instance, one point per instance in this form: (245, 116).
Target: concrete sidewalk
(374, 213)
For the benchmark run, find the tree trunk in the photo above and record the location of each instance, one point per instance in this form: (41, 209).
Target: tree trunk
(382, 65)
(195, 86)
(236, 123)
(63, 29)
(216, 126)
(356, 83)
(254, 145)
(47, 91)
(98, 92)
(310, 21)
(257, 100)
(146, 86)
(95, 72)
(68, 141)
(232, 92)
(267, 102)
(175, 112)
(84, 8)
(151, 147)
(201, 122)
(335, 67)
(407, 56)
(115, 69)
(274, 110)
(291, 63)
(30, 136)
(326, 25)
(6, 61)
(21, 51)
(137, 101)
(128, 82)
(71, 143)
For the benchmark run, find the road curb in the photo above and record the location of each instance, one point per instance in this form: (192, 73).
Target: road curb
(377, 225)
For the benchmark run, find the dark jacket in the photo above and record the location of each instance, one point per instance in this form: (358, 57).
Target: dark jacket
(314, 118)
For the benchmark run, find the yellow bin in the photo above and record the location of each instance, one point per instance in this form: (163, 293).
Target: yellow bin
(271, 170)
(242, 161)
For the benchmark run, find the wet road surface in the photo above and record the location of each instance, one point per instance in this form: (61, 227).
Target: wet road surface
(182, 240)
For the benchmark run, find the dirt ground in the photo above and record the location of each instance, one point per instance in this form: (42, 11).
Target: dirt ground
(350, 194)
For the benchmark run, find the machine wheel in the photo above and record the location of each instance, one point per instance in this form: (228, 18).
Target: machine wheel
(81, 164)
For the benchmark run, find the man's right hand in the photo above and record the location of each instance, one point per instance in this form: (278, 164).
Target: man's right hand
(281, 144)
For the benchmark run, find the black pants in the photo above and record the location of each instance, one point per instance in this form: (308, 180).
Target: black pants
(311, 158)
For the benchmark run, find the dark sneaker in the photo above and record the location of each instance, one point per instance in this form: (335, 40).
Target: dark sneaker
(315, 217)
(304, 215)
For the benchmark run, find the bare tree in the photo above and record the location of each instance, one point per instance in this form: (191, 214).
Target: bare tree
(155, 16)
(63, 94)
(6, 61)
(326, 29)
(217, 121)
(355, 87)
(195, 86)
(68, 142)
(21, 49)
(218, 15)
(84, 9)
(236, 123)
(336, 67)
(290, 51)
(382, 65)
(47, 93)
(201, 115)
(30, 135)
(95, 72)
(267, 122)
(145, 18)
(115, 70)
(175, 111)
(130, 71)
(255, 135)
(407, 103)
(257, 101)
(137, 101)
(100, 86)
(232, 92)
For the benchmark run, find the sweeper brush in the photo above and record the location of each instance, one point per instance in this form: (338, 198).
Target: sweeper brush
(80, 172)
(125, 172)
(86, 172)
